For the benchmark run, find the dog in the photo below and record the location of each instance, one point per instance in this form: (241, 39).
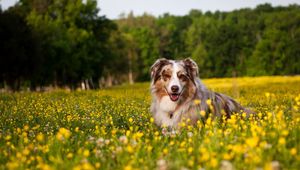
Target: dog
(178, 95)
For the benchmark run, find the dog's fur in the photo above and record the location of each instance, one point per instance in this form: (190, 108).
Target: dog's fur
(171, 105)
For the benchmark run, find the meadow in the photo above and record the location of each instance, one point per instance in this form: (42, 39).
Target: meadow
(113, 129)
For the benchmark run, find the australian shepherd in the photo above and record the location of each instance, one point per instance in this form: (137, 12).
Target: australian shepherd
(179, 95)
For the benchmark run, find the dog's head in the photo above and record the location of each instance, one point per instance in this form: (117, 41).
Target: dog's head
(173, 77)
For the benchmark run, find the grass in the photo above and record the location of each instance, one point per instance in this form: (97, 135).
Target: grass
(113, 129)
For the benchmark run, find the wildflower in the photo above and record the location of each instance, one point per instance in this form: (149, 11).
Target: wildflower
(165, 151)
(100, 142)
(87, 166)
(285, 133)
(70, 155)
(208, 102)
(63, 134)
(97, 165)
(213, 162)
(149, 148)
(40, 137)
(227, 156)
(151, 120)
(129, 149)
(26, 128)
(190, 134)
(130, 120)
(123, 139)
(128, 132)
(44, 166)
(86, 153)
(197, 101)
(293, 151)
(26, 151)
(202, 113)
(252, 142)
(190, 150)
(191, 163)
(107, 141)
(128, 167)
(8, 137)
(281, 141)
(274, 165)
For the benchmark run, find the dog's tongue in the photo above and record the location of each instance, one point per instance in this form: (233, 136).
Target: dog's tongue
(174, 97)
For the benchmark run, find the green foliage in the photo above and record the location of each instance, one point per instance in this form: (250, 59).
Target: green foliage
(66, 43)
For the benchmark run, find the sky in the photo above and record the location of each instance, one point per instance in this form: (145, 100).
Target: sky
(113, 8)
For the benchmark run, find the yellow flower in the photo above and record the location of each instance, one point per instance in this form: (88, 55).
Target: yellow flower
(26, 151)
(267, 94)
(252, 142)
(213, 162)
(8, 137)
(149, 148)
(97, 165)
(44, 167)
(40, 137)
(281, 141)
(63, 134)
(129, 149)
(165, 151)
(285, 133)
(86, 153)
(204, 157)
(128, 167)
(197, 101)
(208, 101)
(227, 156)
(151, 120)
(202, 113)
(26, 127)
(293, 151)
(191, 163)
(70, 155)
(130, 120)
(87, 166)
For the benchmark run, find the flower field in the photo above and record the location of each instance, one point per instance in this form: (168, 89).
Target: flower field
(113, 129)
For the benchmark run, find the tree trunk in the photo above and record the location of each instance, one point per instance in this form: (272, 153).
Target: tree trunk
(109, 80)
(130, 75)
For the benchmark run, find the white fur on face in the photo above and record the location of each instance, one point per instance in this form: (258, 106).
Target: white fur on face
(174, 79)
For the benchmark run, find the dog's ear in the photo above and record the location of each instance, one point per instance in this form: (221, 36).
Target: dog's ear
(156, 68)
(191, 67)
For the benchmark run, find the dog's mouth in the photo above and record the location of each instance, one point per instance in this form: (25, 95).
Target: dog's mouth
(174, 96)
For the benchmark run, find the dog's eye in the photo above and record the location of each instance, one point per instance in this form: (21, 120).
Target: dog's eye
(182, 77)
(166, 77)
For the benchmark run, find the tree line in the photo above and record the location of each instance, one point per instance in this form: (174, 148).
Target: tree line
(65, 43)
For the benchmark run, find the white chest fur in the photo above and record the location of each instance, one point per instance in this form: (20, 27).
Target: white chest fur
(165, 114)
(166, 105)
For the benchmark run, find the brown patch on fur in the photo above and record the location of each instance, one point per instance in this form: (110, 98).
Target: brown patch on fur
(189, 91)
(166, 73)
(191, 68)
(162, 81)
(160, 89)
(157, 67)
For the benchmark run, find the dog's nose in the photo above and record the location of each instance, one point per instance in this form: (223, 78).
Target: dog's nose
(174, 89)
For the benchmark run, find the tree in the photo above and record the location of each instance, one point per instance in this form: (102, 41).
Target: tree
(20, 57)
